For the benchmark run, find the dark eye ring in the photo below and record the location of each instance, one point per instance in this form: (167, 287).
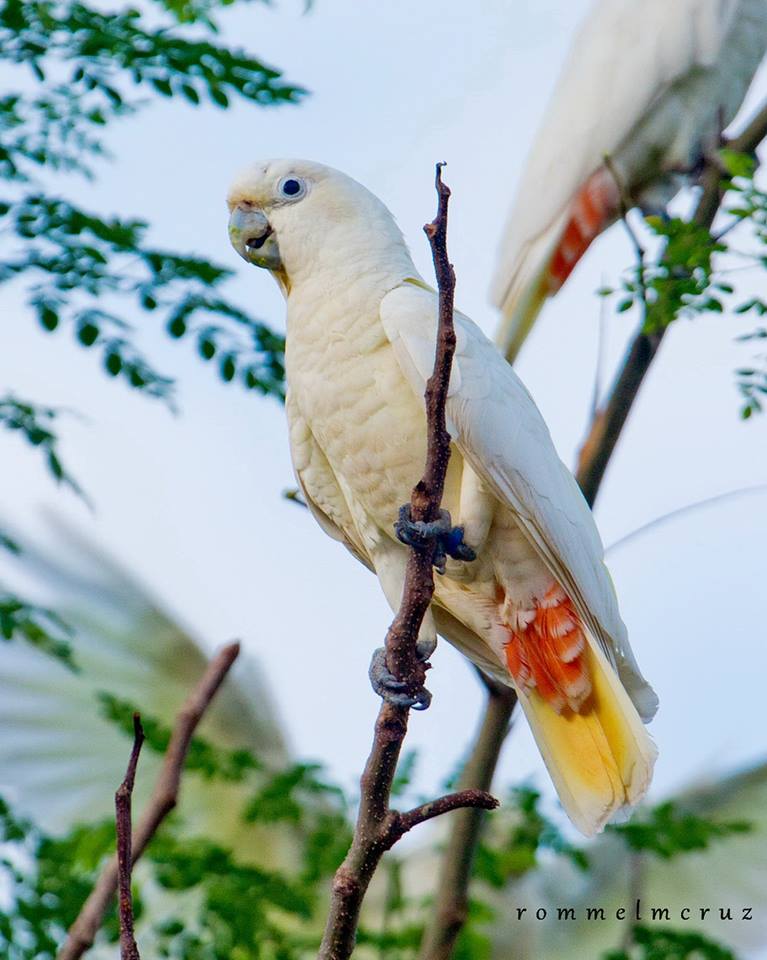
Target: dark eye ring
(292, 188)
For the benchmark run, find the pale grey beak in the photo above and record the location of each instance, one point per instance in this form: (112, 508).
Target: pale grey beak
(251, 235)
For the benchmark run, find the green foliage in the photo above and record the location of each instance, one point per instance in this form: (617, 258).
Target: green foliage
(9, 544)
(406, 769)
(473, 942)
(298, 796)
(658, 943)
(203, 757)
(515, 852)
(691, 274)
(48, 880)
(19, 618)
(76, 263)
(37, 625)
(667, 831)
(35, 424)
(102, 50)
(96, 273)
(76, 68)
(225, 887)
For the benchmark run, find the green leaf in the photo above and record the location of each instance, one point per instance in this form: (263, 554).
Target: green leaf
(207, 348)
(113, 363)
(87, 334)
(668, 831)
(49, 318)
(162, 86)
(228, 368)
(738, 164)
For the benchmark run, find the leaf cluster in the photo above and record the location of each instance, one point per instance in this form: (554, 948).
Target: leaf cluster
(667, 831)
(660, 943)
(97, 273)
(691, 275)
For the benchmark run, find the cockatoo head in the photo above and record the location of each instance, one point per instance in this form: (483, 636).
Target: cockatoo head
(295, 217)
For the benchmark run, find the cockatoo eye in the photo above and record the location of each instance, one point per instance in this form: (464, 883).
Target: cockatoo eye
(291, 188)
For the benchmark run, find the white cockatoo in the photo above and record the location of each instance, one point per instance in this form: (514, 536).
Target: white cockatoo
(537, 608)
(644, 96)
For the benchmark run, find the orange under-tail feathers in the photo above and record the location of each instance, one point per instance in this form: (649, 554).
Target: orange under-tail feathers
(593, 208)
(589, 733)
(545, 652)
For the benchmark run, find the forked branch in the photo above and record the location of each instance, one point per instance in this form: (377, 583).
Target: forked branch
(164, 798)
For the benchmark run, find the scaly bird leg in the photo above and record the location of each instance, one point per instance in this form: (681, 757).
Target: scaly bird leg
(449, 539)
(394, 691)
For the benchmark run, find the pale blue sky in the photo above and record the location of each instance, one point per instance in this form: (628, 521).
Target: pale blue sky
(192, 504)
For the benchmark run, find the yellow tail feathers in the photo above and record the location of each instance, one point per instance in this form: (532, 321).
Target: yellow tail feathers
(600, 759)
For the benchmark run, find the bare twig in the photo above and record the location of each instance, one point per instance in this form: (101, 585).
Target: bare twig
(607, 425)
(123, 800)
(378, 827)
(164, 798)
(665, 518)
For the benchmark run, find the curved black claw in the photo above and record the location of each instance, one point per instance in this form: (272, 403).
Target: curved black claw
(449, 539)
(394, 691)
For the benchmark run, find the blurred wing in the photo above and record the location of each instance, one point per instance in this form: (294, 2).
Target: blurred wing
(61, 760)
(731, 873)
(625, 56)
(499, 430)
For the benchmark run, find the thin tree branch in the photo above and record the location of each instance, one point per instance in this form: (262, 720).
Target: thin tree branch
(665, 518)
(378, 827)
(123, 800)
(465, 800)
(164, 798)
(607, 426)
(451, 901)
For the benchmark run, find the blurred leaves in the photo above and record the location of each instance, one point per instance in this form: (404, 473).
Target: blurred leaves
(691, 275)
(97, 274)
(35, 423)
(655, 943)
(515, 851)
(47, 881)
(36, 625)
(668, 831)
(209, 761)
(104, 50)
(20, 619)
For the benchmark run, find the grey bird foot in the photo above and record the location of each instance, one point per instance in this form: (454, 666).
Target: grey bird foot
(449, 539)
(394, 691)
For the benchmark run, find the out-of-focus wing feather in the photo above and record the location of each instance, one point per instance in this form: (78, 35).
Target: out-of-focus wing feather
(61, 760)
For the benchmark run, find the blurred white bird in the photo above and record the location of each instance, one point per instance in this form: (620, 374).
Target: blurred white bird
(642, 99)
(61, 759)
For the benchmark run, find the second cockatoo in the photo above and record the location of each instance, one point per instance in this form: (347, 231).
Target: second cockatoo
(537, 608)
(643, 98)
